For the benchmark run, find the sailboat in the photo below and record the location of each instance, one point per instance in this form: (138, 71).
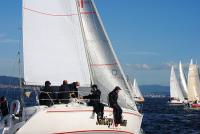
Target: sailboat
(183, 82)
(176, 95)
(138, 97)
(193, 85)
(66, 39)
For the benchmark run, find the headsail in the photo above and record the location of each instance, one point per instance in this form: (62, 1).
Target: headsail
(52, 43)
(104, 65)
(136, 89)
(183, 81)
(175, 90)
(193, 82)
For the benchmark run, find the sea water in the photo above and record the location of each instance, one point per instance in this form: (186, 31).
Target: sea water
(161, 118)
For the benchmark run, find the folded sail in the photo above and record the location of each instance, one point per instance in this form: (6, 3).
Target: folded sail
(175, 90)
(52, 43)
(105, 68)
(193, 83)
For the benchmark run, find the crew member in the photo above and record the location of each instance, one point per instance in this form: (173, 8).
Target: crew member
(117, 111)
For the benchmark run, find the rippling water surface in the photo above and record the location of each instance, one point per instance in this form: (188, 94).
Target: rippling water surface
(161, 118)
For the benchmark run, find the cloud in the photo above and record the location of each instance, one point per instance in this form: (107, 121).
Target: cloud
(143, 53)
(162, 66)
(139, 66)
(4, 39)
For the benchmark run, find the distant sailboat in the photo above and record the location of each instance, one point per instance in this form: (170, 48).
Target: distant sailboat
(193, 84)
(137, 93)
(65, 39)
(176, 95)
(183, 82)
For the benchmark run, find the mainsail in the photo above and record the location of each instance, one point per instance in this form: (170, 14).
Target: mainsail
(175, 90)
(53, 46)
(183, 81)
(193, 82)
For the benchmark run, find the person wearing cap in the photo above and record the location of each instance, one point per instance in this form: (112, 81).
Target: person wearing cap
(46, 96)
(112, 100)
(64, 92)
(94, 100)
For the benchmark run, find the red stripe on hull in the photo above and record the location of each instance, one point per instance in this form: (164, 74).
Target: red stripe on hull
(86, 111)
(196, 105)
(98, 131)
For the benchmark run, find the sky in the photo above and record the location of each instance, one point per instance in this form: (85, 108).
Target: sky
(148, 35)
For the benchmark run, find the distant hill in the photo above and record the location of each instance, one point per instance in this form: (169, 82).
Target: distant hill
(154, 89)
(7, 80)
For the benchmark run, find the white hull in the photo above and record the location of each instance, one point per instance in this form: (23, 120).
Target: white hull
(76, 119)
(139, 100)
(176, 102)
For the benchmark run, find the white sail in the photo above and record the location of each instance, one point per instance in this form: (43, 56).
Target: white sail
(175, 90)
(193, 82)
(183, 81)
(137, 89)
(65, 39)
(105, 68)
(52, 43)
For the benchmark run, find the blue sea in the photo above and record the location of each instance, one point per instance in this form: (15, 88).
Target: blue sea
(159, 117)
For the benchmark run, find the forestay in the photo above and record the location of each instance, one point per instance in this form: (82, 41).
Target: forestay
(175, 90)
(52, 43)
(105, 68)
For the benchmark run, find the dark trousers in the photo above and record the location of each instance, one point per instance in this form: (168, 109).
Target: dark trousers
(98, 109)
(4, 109)
(117, 112)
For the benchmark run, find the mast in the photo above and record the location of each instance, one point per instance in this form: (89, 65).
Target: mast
(84, 40)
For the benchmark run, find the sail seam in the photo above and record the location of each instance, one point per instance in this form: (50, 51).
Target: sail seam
(103, 64)
(56, 15)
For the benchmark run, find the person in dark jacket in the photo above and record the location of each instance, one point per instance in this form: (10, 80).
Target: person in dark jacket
(64, 92)
(74, 89)
(46, 96)
(94, 100)
(4, 106)
(117, 111)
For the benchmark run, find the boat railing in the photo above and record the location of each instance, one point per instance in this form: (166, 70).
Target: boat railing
(55, 99)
